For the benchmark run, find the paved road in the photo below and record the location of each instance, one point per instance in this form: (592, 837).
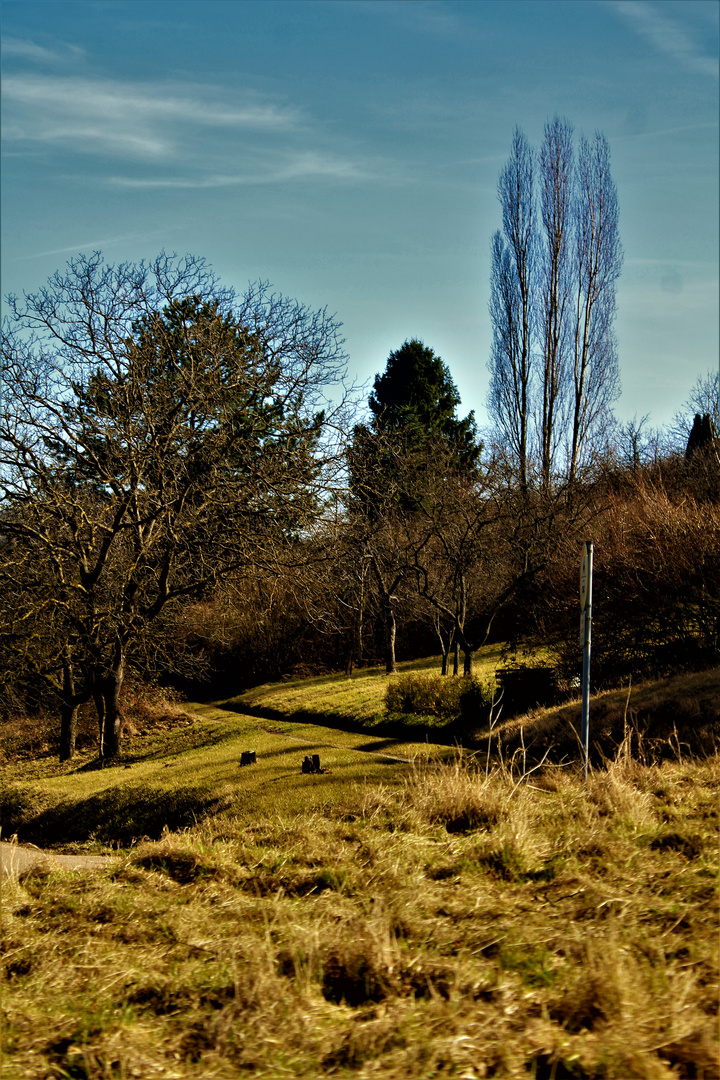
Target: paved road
(16, 859)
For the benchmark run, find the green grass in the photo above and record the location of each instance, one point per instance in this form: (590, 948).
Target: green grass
(352, 699)
(172, 778)
(174, 772)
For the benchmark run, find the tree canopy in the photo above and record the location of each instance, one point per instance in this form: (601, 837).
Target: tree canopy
(416, 400)
(155, 436)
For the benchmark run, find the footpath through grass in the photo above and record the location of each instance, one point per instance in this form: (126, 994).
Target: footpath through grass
(173, 775)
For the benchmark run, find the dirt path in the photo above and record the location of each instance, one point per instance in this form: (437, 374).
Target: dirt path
(336, 746)
(16, 859)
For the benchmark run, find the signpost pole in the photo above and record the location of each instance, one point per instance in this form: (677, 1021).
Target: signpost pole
(586, 575)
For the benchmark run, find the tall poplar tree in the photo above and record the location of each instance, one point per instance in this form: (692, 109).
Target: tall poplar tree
(554, 268)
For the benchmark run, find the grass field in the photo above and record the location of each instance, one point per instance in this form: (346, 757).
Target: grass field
(436, 919)
(175, 777)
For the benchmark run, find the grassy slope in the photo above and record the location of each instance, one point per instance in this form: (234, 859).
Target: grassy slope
(450, 926)
(356, 699)
(174, 778)
(380, 920)
(173, 775)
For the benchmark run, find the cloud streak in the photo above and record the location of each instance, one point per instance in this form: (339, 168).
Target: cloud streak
(28, 50)
(303, 165)
(667, 36)
(189, 137)
(141, 120)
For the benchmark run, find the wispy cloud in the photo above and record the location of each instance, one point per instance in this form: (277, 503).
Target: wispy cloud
(28, 50)
(141, 120)
(429, 17)
(189, 136)
(667, 35)
(276, 168)
(97, 244)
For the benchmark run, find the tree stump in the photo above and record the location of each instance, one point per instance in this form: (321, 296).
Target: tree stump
(248, 757)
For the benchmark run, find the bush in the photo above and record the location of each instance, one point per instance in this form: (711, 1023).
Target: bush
(525, 688)
(448, 699)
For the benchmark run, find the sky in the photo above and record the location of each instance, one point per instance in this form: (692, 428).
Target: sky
(348, 153)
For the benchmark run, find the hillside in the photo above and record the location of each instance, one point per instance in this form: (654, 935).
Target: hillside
(445, 918)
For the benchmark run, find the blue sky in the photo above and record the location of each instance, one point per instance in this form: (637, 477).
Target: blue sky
(348, 152)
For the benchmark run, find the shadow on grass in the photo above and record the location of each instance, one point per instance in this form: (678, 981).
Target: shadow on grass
(389, 732)
(120, 815)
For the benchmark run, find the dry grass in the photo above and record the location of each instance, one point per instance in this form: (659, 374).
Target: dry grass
(454, 925)
(667, 719)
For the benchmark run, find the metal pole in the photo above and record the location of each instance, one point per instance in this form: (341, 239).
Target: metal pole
(586, 575)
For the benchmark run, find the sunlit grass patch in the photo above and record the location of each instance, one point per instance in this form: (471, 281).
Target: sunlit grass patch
(177, 784)
(358, 698)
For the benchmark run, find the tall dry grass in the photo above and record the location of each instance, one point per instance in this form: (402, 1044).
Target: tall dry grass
(466, 923)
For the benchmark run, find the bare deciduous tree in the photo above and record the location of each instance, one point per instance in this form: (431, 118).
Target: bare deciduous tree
(511, 304)
(598, 261)
(153, 435)
(553, 273)
(555, 287)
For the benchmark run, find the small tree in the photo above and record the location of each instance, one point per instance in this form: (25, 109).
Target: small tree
(701, 434)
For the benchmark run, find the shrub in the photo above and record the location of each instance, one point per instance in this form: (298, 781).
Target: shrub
(448, 699)
(525, 688)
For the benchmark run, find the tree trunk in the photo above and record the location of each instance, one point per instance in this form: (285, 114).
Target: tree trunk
(445, 646)
(468, 662)
(69, 707)
(456, 657)
(390, 665)
(107, 701)
(99, 699)
(111, 731)
(68, 730)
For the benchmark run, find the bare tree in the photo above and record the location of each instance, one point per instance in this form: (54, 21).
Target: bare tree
(704, 400)
(555, 286)
(511, 303)
(153, 435)
(597, 266)
(554, 370)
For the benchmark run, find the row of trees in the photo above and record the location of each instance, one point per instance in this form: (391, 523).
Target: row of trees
(554, 368)
(450, 557)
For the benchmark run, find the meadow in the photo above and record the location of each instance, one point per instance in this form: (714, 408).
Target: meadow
(415, 911)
